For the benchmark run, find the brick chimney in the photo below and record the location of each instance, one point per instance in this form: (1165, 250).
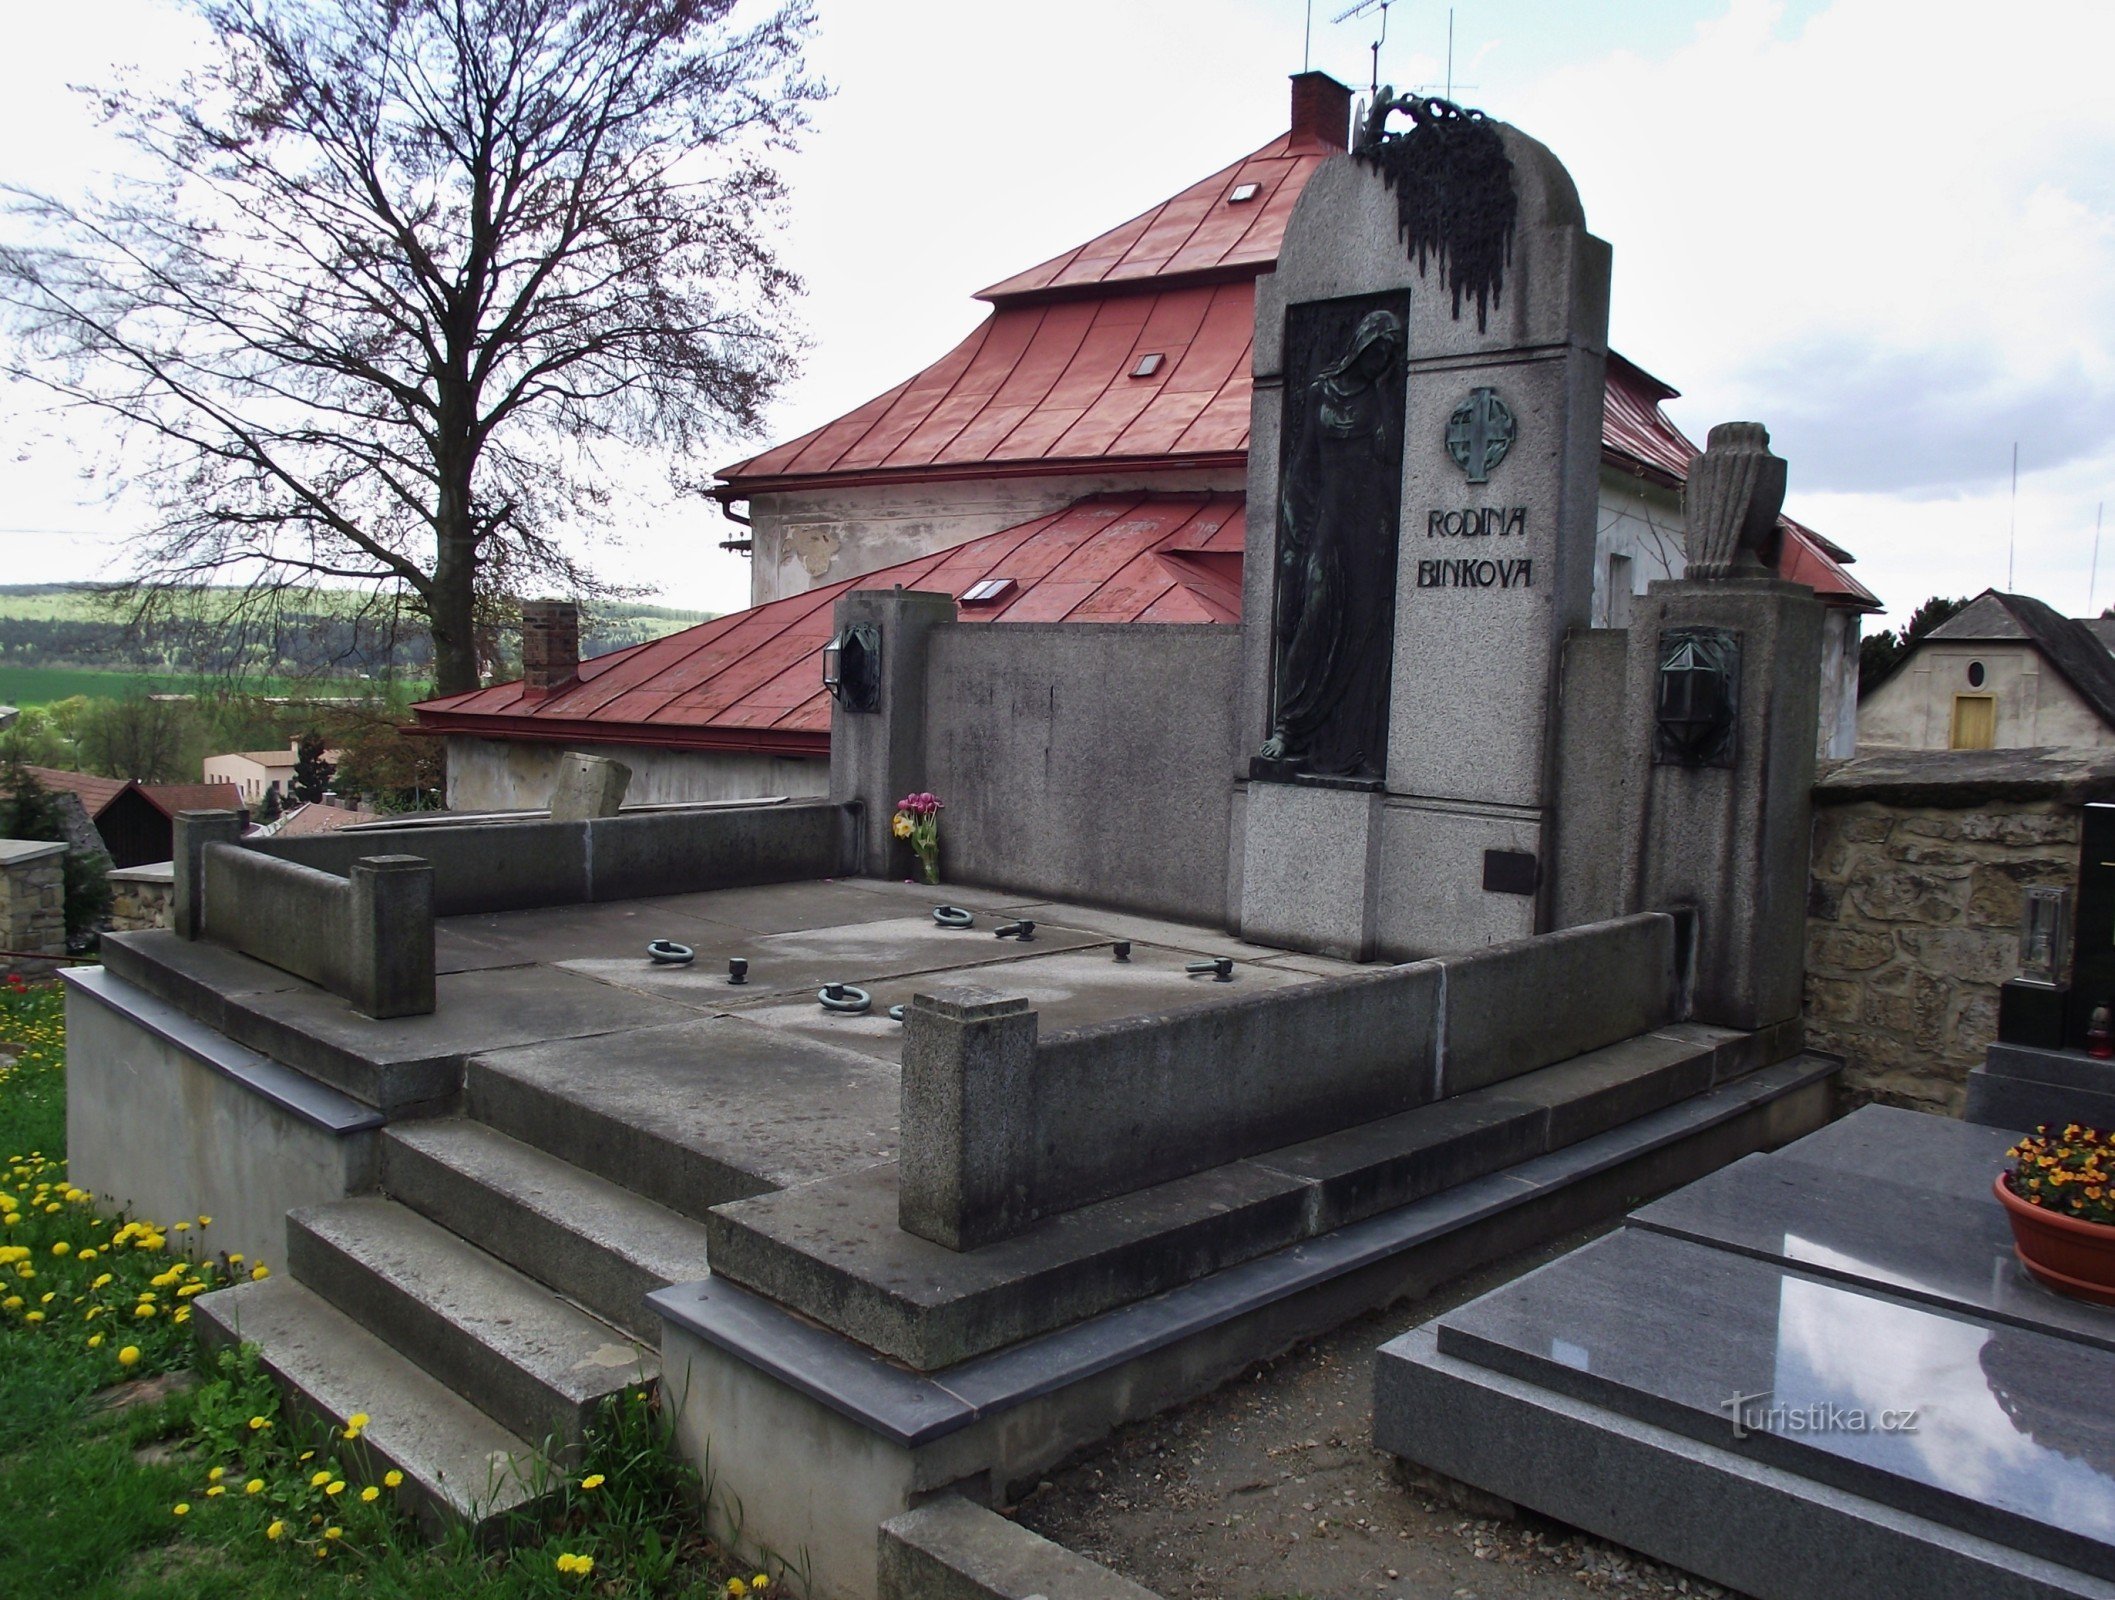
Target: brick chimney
(1321, 110)
(550, 646)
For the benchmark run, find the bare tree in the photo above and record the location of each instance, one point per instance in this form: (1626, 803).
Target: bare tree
(393, 269)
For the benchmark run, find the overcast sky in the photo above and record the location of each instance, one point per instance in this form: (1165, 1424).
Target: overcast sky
(1885, 228)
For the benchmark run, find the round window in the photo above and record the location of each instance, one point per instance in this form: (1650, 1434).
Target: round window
(1975, 674)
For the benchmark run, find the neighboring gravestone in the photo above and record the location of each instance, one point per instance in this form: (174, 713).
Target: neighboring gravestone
(588, 787)
(1423, 480)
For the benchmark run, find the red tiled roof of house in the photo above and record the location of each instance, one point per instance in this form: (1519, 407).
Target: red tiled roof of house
(316, 817)
(752, 680)
(96, 793)
(170, 798)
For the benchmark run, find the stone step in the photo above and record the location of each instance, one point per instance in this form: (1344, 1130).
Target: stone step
(1377, 1166)
(832, 1250)
(460, 1467)
(531, 1360)
(694, 1114)
(584, 1236)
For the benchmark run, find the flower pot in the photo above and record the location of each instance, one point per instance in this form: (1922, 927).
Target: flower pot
(2072, 1257)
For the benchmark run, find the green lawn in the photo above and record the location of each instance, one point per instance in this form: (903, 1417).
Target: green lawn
(215, 1491)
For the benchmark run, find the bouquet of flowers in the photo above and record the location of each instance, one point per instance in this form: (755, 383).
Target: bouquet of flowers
(918, 820)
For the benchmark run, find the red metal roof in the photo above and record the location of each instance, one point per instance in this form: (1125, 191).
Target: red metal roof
(752, 680)
(1203, 232)
(1044, 386)
(1637, 437)
(1047, 388)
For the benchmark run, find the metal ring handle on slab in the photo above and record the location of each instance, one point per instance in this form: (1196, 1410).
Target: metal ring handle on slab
(954, 917)
(667, 953)
(845, 997)
(895, 1013)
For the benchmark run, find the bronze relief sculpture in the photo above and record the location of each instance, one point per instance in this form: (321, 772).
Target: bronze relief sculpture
(1339, 504)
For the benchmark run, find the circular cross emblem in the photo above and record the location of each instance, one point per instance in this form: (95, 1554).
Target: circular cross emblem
(1480, 433)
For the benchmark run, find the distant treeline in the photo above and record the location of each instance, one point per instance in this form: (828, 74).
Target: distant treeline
(59, 625)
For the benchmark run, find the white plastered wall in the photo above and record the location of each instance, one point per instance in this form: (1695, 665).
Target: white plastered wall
(1913, 709)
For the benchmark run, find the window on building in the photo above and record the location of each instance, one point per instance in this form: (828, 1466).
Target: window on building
(1619, 580)
(1974, 722)
(1975, 674)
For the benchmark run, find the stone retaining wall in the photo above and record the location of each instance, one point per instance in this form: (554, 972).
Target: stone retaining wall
(32, 897)
(1919, 866)
(141, 898)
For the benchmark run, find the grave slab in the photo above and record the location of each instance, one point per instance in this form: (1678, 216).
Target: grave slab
(861, 953)
(1068, 989)
(1876, 1230)
(2012, 1432)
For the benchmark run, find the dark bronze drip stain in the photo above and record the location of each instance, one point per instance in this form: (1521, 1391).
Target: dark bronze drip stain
(1453, 186)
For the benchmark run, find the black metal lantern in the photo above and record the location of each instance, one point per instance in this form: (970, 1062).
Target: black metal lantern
(1697, 705)
(852, 667)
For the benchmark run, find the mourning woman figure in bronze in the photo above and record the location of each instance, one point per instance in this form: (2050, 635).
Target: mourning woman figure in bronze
(1339, 498)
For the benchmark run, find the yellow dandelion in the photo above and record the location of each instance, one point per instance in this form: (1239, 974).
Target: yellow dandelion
(392, 1479)
(257, 1423)
(129, 1356)
(254, 1486)
(182, 1508)
(276, 1531)
(333, 1533)
(260, 1272)
(62, 1248)
(216, 1491)
(319, 1480)
(95, 1341)
(593, 1480)
(216, 1474)
(370, 1494)
(335, 1486)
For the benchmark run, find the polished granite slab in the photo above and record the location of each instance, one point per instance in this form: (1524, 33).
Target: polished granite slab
(1897, 1201)
(2013, 1430)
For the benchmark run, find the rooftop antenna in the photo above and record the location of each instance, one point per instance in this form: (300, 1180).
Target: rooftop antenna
(1447, 89)
(1367, 8)
(2093, 581)
(2012, 530)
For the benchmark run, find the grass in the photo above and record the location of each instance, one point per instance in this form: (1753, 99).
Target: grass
(111, 1489)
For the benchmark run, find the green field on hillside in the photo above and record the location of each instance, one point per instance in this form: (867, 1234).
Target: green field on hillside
(59, 602)
(37, 686)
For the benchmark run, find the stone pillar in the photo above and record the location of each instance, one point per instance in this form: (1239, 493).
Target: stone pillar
(968, 1054)
(1439, 837)
(194, 831)
(32, 897)
(878, 756)
(390, 932)
(1731, 836)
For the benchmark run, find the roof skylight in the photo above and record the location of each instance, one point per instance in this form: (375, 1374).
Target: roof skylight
(1244, 192)
(1148, 365)
(987, 590)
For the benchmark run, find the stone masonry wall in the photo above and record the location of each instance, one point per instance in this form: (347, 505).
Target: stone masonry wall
(1919, 866)
(142, 898)
(32, 902)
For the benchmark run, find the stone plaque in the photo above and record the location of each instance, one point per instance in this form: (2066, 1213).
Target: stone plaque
(1339, 518)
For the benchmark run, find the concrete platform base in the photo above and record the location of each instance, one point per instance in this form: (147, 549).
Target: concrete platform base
(814, 1441)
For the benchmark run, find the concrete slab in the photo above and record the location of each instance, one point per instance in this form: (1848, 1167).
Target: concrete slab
(789, 907)
(1067, 989)
(862, 953)
(693, 1114)
(558, 933)
(409, 1061)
